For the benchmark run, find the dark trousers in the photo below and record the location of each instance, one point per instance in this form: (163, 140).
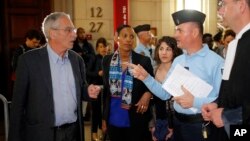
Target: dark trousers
(96, 115)
(67, 132)
(222, 135)
(192, 131)
(118, 134)
(187, 131)
(128, 134)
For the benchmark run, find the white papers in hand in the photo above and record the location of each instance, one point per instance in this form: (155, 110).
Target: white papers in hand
(181, 76)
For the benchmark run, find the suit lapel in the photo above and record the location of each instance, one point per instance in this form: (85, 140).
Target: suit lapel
(44, 66)
(134, 58)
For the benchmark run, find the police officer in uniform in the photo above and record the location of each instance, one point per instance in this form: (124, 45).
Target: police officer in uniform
(199, 60)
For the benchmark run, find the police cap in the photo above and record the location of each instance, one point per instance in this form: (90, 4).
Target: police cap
(183, 16)
(144, 27)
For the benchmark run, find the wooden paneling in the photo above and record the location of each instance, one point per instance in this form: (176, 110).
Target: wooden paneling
(17, 17)
(19, 24)
(24, 15)
(23, 3)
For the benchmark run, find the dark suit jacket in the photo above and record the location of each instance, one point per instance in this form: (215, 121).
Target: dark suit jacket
(140, 121)
(32, 111)
(235, 93)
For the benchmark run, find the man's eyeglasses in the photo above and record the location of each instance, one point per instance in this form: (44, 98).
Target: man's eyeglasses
(222, 3)
(67, 30)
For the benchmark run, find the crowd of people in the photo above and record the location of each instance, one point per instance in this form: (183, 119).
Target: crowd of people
(124, 85)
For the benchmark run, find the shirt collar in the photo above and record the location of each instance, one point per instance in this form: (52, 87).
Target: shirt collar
(55, 57)
(202, 52)
(144, 47)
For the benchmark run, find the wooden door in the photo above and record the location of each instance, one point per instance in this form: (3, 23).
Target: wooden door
(17, 16)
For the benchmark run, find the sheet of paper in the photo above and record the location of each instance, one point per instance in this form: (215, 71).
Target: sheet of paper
(181, 76)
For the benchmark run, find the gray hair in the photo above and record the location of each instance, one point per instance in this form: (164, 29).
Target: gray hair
(51, 21)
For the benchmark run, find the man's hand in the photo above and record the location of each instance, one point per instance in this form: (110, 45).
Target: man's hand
(206, 110)
(138, 71)
(185, 100)
(94, 91)
(216, 117)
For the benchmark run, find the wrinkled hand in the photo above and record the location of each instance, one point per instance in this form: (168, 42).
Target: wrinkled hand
(185, 100)
(138, 71)
(216, 117)
(94, 91)
(142, 104)
(206, 110)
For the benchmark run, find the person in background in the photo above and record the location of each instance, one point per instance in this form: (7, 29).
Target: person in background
(165, 52)
(110, 48)
(50, 84)
(199, 60)
(228, 36)
(83, 47)
(95, 72)
(207, 38)
(42, 41)
(32, 40)
(144, 36)
(233, 104)
(217, 40)
(152, 45)
(86, 51)
(126, 114)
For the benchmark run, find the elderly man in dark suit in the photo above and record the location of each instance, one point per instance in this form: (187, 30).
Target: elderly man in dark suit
(50, 84)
